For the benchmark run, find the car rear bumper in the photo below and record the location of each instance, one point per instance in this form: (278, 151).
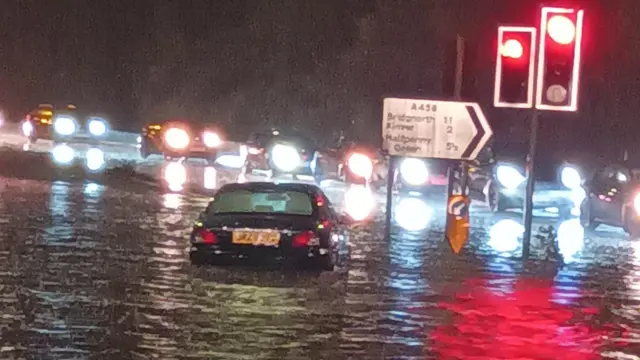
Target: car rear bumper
(206, 252)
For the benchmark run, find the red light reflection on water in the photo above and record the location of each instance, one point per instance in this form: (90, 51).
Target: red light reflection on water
(523, 324)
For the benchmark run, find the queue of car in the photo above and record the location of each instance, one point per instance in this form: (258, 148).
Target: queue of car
(297, 220)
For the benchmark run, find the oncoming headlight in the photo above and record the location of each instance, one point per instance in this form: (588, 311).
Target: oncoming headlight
(65, 125)
(177, 138)
(211, 139)
(636, 203)
(360, 165)
(509, 176)
(414, 171)
(570, 177)
(285, 157)
(97, 126)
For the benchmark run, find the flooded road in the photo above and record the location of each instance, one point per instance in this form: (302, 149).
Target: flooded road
(91, 272)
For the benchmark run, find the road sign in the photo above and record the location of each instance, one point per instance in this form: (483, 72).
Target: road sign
(434, 129)
(457, 222)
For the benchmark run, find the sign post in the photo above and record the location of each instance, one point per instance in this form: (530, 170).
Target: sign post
(423, 128)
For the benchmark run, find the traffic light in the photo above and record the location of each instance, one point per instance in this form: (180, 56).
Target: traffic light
(514, 67)
(559, 59)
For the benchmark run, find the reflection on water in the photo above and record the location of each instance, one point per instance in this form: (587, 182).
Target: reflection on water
(113, 280)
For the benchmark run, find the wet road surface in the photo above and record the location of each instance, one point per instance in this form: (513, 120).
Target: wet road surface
(88, 271)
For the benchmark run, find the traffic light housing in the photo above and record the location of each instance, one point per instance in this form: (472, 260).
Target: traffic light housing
(513, 87)
(558, 73)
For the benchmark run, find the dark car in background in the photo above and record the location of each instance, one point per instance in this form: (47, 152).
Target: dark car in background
(612, 198)
(417, 176)
(175, 139)
(275, 153)
(66, 128)
(499, 180)
(293, 222)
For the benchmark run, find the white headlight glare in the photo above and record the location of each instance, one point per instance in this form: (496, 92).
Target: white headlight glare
(636, 203)
(286, 158)
(360, 165)
(211, 139)
(97, 126)
(414, 171)
(359, 203)
(412, 214)
(177, 138)
(63, 154)
(95, 159)
(27, 128)
(509, 176)
(175, 174)
(65, 125)
(570, 177)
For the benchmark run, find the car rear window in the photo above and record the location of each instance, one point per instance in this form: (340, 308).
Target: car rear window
(262, 202)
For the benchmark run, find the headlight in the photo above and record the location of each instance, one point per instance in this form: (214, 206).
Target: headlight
(65, 125)
(636, 203)
(211, 139)
(570, 177)
(509, 176)
(27, 128)
(177, 138)
(360, 165)
(414, 171)
(97, 126)
(285, 157)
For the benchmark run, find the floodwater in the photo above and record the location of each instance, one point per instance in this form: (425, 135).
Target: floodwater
(88, 271)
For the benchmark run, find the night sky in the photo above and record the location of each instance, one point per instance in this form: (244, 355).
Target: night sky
(315, 65)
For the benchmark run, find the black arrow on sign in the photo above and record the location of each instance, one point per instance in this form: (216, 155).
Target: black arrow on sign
(476, 139)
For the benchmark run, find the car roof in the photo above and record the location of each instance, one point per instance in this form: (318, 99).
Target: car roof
(270, 186)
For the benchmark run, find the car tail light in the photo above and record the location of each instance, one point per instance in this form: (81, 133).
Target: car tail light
(208, 237)
(304, 239)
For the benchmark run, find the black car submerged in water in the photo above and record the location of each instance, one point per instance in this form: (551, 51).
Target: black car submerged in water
(291, 221)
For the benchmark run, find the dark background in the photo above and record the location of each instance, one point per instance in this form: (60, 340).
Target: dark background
(319, 65)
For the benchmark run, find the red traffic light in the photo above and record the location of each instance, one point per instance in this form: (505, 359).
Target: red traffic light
(561, 29)
(512, 48)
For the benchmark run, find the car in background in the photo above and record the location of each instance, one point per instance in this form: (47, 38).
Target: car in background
(355, 164)
(180, 139)
(418, 176)
(500, 182)
(612, 198)
(294, 222)
(274, 154)
(67, 128)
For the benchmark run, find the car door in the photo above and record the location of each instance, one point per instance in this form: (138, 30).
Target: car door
(606, 193)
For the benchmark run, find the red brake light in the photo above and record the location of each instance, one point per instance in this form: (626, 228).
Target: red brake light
(302, 239)
(208, 237)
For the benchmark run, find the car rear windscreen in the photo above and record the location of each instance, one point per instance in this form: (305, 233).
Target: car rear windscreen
(288, 202)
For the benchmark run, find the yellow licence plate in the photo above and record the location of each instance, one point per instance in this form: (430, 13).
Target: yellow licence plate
(256, 238)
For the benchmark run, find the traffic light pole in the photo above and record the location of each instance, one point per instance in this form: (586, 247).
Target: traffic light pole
(528, 201)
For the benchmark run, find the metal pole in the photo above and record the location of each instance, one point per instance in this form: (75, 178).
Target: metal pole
(528, 201)
(457, 94)
(390, 182)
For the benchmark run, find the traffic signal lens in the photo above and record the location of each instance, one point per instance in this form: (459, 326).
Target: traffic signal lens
(561, 29)
(512, 49)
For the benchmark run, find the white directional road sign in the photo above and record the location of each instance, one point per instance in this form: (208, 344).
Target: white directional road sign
(434, 129)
